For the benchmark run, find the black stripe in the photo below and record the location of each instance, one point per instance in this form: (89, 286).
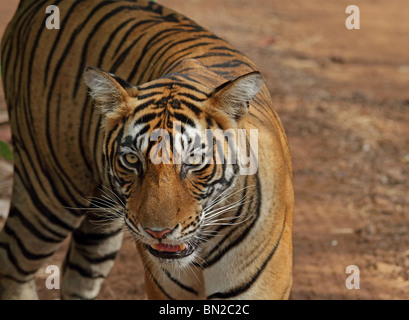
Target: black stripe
(48, 228)
(101, 259)
(218, 250)
(120, 59)
(160, 85)
(180, 75)
(27, 112)
(15, 279)
(202, 35)
(108, 43)
(241, 289)
(56, 73)
(226, 49)
(20, 26)
(159, 36)
(209, 122)
(98, 135)
(213, 54)
(54, 168)
(144, 130)
(193, 88)
(107, 141)
(167, 62)
(184, 119)
(152, 6)
(50, 216)
(131, 29)
(26, 253)
(74, 35)
(41, 207)
(149, 95)
(14, 212)
(181, 85)
(81, 68)
(6, 60)
(170, 65)
(197, 111)
(14, 262)
(231, 64)
(18, 149)
(24, 29)
(84, 272)
(143, 106)
(116, 141)
(91, 239)
(146, 118)
(181, 285)
(158, 284)
(166, 45)
(63, 24)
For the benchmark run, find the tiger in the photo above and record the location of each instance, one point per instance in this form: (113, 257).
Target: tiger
(114, 118)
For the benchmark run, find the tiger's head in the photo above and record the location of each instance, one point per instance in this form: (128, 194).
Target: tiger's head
(163, 158)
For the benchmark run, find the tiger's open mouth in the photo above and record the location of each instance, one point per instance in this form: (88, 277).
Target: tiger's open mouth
(167, 251)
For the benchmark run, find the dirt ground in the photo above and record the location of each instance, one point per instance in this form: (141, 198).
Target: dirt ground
(344, 100)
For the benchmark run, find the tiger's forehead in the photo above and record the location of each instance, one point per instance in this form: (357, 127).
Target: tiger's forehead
(177, 83)
(175, 137)
(161, 110)
(174, 103)
(143, 126)
(166, 116)
(172, 97)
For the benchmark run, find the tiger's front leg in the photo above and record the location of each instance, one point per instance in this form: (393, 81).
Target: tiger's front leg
(33, 232)
(90, 257)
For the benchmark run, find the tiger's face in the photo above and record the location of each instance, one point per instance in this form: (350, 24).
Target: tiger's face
(166, 158)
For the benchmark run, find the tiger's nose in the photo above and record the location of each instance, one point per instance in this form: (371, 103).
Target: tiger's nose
(158, 234)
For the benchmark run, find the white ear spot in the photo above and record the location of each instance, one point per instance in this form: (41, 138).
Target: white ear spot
(244, 88)
(233, 96)
(105, 90)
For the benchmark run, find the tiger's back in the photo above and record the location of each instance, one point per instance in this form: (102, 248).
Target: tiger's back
(58, 141)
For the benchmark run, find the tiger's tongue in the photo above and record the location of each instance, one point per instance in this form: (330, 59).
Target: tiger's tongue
(168, 248)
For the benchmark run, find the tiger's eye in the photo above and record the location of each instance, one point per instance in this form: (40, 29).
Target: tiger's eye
(194, 160)
(131, 159)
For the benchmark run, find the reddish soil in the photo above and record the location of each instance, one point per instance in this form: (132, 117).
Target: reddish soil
(342, 96)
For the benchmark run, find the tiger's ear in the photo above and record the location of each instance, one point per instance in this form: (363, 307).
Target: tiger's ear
(233, 97)
(109, 91)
